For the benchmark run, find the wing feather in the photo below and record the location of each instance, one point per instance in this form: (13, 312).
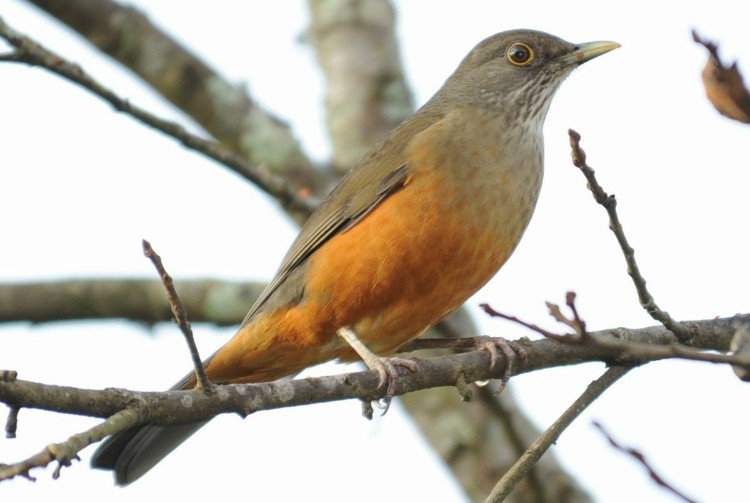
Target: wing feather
(359, 192)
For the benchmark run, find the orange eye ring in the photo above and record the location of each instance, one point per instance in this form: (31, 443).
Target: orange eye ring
(519, 54)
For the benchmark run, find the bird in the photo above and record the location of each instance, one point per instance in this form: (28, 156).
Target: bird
(415, 228)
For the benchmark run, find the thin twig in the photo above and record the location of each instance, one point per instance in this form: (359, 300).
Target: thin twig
(529, 458)
(579, 324)
(66, 452)
(640, 458)
(536, 328)
(610, 204)
(32, 53)
(626, 350)
(180, 316)
(575, 321)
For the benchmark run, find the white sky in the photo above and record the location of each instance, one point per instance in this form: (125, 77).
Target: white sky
(80, 187)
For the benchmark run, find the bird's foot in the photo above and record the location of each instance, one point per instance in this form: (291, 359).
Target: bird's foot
(511, 350)
(387, 374)
(384, 366)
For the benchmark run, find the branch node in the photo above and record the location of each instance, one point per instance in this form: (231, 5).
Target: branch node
(367, 410)
(8, 375)
(11, 424)
(740, 345)
(575, 321)
(463, 388)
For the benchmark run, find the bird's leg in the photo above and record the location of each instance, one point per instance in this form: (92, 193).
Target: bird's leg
(384, 366)
(511, 350)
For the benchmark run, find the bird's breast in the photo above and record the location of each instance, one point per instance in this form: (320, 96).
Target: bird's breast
(428, 247)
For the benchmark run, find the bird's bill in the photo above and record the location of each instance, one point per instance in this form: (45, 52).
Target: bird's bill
(588, 51)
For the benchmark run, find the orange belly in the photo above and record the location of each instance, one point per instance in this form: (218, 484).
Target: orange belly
(411, 261)
(403, 268)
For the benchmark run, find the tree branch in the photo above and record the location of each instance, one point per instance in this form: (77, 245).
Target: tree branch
(180, 317)
(30, 52)
(630, 350)
(66, 452)
(224, 109)
(713, 335)
(174, 406)
(367, 84)
(222, 303)
(640, 458)
(550, 436)
(738, 361)
(610, 204)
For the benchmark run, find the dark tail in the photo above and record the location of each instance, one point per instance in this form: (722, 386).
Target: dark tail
(134, 452)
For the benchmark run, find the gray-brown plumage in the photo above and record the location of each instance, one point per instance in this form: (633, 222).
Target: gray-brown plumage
(415, 228)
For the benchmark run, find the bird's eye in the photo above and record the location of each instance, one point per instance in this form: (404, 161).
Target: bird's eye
(519, 54)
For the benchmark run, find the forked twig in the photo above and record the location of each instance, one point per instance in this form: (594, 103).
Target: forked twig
(66, 452)
(610, 204)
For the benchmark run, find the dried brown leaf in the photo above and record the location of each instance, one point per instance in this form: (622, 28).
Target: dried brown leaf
(724, 85)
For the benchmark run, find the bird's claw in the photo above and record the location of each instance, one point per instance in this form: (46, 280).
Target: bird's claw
(387, 374)
(511, 351)
(384, 366)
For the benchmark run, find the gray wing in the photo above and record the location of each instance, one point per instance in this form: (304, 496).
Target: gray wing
(374, 178)
(338, 213)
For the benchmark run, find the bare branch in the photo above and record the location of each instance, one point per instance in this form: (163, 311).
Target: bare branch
(629, 350)
(222, 108)
(174, 406)
(610, 204)
(214, 301)
(550, 436)
(536, 328)
(180, 317)
(641, 459)
(66, 452)
(30, 52)
(170, 407)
